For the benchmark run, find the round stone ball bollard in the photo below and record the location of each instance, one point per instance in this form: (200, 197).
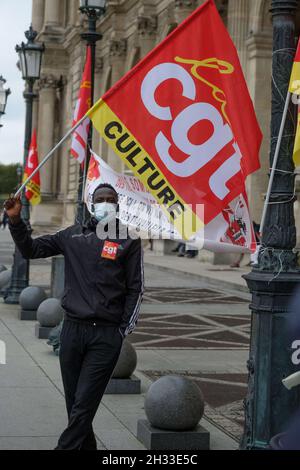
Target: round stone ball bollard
(127, 362)
(174, 403)
(5, 277)
(30, 299)
(49, 314)
(2, 268)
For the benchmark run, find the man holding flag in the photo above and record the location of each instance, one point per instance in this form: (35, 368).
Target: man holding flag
(103, 289)
(196, 148)
(104, 284)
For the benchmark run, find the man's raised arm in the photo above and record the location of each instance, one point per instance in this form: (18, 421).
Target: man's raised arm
(41, 247)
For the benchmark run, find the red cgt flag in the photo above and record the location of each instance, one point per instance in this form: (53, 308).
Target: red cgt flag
(80, 136)
(183, 121)
(33, 187)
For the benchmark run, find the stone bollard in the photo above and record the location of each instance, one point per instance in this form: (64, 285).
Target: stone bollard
(174, 406)
(49, 314)
(123, 381)
(30, 299)
(5, 278)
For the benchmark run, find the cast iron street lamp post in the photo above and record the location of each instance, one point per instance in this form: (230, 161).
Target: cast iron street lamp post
(269, 405)
(93, 9)
(30, 57)
(3, 96)
(19, 175)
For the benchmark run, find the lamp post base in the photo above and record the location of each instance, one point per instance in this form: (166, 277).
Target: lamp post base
(269, 405)
(20, 278)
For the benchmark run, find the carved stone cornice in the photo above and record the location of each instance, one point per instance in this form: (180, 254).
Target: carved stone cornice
(62, 82)
(185, 3)
(99, 64)
(51, 82)
(147, 25)
(169, 14)
(117, 47)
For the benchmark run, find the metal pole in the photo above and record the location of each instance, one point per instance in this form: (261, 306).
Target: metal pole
(91, 37)
(92, 45)
(275, 160)
(268, 405)
(50, 154)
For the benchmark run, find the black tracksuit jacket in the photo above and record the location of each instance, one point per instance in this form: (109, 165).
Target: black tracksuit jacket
(98, 288)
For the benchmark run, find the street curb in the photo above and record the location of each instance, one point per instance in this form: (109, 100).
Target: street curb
(213, 283)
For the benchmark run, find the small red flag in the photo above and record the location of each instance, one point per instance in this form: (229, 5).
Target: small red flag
(80, 136)
(33, 187)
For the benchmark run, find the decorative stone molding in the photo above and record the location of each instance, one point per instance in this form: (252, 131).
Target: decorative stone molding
(259, 45)
(169, 15)
(185, 3)
(99, 64)
(117, 48)
(147, 25)
(49, 81)
(52, 82)
(167, 22)
(62, 82)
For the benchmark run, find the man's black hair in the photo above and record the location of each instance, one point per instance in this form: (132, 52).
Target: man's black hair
(105, 185)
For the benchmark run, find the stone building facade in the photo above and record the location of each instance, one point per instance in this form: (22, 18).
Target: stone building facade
(130, 28)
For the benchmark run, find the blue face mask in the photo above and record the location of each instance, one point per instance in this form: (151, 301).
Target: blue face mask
(105, 211)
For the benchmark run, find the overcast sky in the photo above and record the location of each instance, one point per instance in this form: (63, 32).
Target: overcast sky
(15, 19)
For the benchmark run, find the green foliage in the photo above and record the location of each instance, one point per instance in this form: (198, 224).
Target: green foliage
(8, 179)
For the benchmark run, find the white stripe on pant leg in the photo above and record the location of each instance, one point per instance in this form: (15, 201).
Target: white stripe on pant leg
(135, 314)
(2, 353)
(139, 300)
(134, 317)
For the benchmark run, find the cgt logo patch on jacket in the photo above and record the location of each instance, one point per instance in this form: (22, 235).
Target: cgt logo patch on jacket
(110, 250)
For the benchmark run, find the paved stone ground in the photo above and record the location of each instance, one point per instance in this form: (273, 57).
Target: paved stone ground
(32, 410)
(215, 276)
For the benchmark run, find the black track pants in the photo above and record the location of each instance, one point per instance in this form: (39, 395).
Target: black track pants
(88, 356)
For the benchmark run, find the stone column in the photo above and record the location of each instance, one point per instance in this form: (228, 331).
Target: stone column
(238, 17)
(59, 131)
(73, 12)
(52, 12)
(64, 157)
(38, 10)
(147, 28)
(46, 125)
(117, 52)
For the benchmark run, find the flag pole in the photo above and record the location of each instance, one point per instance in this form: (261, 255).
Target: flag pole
(275, 160)
(46, 158)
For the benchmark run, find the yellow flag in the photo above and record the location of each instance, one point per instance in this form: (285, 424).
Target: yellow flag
(294, 86)
(296, 153)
